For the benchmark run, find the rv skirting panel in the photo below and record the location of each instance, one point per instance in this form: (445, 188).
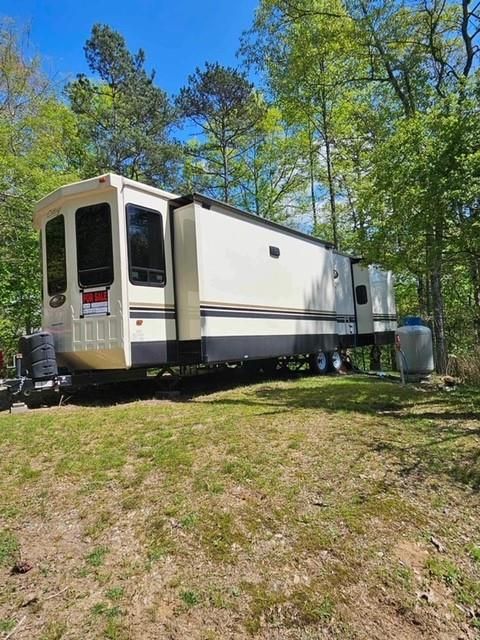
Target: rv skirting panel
(384, 337)
(230, 348)
(379, 338)
(234, 348)
(189, 351)
(149, 354)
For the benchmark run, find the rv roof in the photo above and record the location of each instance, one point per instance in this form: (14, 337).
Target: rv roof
(75, 189)
(205, 200)
(112, 180)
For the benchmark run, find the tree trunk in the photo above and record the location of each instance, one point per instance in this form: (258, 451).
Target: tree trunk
(312, 177)
(225, 174)
(475, 274)
(438, 305)
(331, 191)
(375, 358)
(328, 157)
(422, 293)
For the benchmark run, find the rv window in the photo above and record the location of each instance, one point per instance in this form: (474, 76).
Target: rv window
(361, 293)
(145, 246)
(56, 263)
(94, 245)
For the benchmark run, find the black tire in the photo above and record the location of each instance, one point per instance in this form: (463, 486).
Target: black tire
(32, 400)
(319, 363)
(5, 399)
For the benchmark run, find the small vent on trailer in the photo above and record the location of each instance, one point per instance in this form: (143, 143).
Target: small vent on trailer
(274, 252)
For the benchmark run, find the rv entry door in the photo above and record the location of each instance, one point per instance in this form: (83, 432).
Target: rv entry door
(363, 299)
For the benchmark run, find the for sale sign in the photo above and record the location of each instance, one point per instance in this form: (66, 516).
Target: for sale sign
(95, 303)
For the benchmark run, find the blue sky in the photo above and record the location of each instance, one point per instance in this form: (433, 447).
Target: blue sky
(176, 35)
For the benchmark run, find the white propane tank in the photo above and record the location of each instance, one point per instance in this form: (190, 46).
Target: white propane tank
(416, 349)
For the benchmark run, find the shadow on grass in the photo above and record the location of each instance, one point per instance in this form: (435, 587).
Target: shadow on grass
(428, 432)
(331, 394)
(180, 389)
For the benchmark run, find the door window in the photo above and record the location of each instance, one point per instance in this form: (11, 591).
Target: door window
(361, 294)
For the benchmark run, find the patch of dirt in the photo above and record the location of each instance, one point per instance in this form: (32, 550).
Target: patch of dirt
(412, 555)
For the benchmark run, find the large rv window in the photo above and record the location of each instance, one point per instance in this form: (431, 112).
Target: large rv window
(361, 293)
(145, 246)
(55, 248)
(94, 245)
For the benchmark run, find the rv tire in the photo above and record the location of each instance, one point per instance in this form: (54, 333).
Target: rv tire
(319, 363)
(337, 363)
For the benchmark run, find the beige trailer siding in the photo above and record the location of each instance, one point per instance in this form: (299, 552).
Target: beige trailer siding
(185, 252)
(383, 300)
(238, 298)
(97, 342)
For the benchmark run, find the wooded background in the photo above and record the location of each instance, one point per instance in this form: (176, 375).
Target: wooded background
(362, 128)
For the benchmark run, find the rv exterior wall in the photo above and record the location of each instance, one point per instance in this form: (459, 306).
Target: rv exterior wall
(383, 302)
(150, 308)
(186, 273)
(344, 303)
(261, 286)
(139, 327)
(95, 342)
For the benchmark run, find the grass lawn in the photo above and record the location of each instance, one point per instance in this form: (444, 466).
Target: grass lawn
(313, 508)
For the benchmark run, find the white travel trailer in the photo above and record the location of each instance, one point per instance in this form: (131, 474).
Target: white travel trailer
(136, 277)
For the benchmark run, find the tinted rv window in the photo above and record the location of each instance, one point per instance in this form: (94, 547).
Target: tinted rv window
(55, 248)
(145, 246)
(94, 245)
(361, 293)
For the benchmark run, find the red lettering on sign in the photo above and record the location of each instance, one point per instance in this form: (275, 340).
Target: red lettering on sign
(101, 296)
(94, 296)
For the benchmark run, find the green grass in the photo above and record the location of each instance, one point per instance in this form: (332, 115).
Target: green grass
(274, 508)
(54, 631)
(190, 598)
(97, 557)
(115, 593)
(9, 547)
(7, 625)
(300, 608)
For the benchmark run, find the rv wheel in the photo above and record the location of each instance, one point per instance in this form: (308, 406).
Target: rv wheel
(336, 361)
(319, 363)
(5, 399)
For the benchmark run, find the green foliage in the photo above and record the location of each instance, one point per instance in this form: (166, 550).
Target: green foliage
(124, 118)
(392, 139)
(222, 105)
(190, 598)
(366, 133)
(7, 625)
(39, 150)
(97, 556)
